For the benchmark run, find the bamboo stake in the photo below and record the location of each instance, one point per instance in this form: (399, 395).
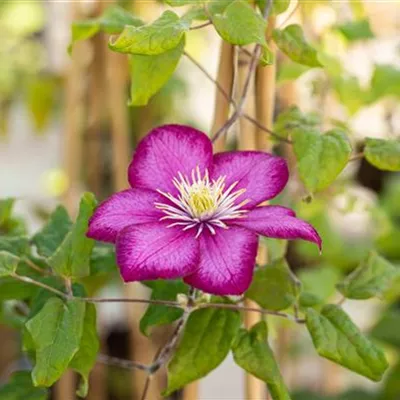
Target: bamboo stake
(247, 140)
(247, 135)
(66, 386)
(225, 79)
(95, 112)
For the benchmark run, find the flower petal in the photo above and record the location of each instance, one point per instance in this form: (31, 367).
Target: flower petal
(279, 222)
(164, 152)
(152, 251)
(130, 207)
(263, 175)
(227, 261)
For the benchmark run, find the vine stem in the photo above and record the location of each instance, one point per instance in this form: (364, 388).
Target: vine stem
(169, 303)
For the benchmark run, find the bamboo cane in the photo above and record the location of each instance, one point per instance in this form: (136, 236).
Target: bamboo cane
(225, 79)
(247, 140)
(66, 386)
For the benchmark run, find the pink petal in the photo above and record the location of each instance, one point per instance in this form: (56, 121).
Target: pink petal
(263, 175)
(227, 261)
(152, 251)
(164, 152)
(130, 207)
(279, 222)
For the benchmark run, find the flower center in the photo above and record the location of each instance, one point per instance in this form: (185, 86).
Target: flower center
(201, 202)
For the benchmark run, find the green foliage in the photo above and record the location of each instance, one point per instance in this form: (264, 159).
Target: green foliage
(291, 41)
(290, 71)
(17, 245)
(336, 338)
(6, 207)
(383, 154)
(112, 21)
(318, 284)
(350, 93)
(206, 341)
(56, 333)
(72, 257)
(294, 119)
(392, 384)
(356, 30)
(85, 359)
(252, 352)
(274, 286)
(385, 82)
(162, 35)
(320, 157)
(20, 387)
(387, 328)
(157, 315)
(149, 73)
(372, 278)
(8, 263)
(240, 24)
(40, 99)
(50, 237)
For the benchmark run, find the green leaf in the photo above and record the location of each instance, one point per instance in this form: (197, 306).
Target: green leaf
(293, 118)
(350, 93)
(20, 387)
(356, 30)
(277, 248)
(40, 99)
(290, 71)
(372, 278)
(8, 263)
(162, 35)
(319, 283)
(291, 41)
(336, 338)
(391, 388)
(320, 157)
(102, 260)
(385, 82)
(72, 258)
(240, 24)
(206, 341)
(383, 154)
(157, 315)
(274, 287)
(85, 359)
(56, 332)
(113, 20)
(387, 328)
(17, 245)
(252, 353)
(10, 314)
(150, 73)
(50, 237)
(278, 6)
(6, 207)
(179, 3)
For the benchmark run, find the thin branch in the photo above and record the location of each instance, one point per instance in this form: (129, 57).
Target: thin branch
(252, 309)
(290, 15)
(253, 65)
(26, 279)
(209, 76)
(200, 26)
(168, 303)
(357, 156)
(34, 266)
(121, 363)
(265, 129)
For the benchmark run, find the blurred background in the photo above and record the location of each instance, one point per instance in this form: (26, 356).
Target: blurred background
(65, 127)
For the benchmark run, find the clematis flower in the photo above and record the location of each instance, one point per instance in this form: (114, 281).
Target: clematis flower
(194, 215)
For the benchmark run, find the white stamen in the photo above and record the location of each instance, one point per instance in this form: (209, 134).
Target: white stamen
(201, 202)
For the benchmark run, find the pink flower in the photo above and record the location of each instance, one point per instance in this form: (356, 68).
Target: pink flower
(194, 215)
